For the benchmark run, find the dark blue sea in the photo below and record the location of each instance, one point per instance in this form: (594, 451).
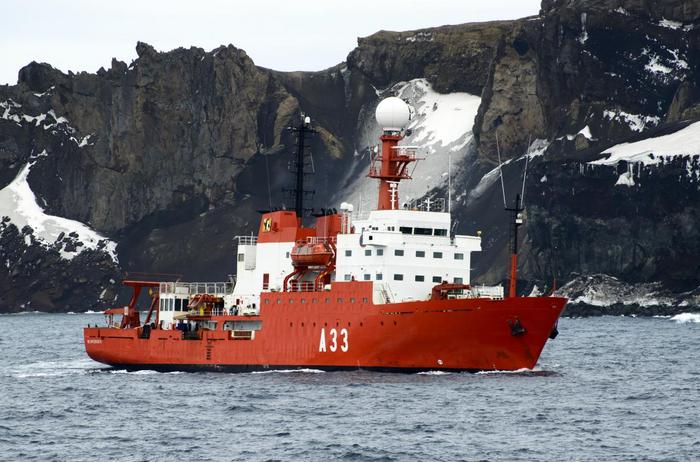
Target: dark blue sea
(608, 388)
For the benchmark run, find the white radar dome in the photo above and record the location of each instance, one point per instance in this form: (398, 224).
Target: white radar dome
(392, 114)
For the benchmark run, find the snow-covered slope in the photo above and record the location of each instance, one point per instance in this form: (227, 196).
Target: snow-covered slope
(18, 203)
(441, 126)
(684, 142)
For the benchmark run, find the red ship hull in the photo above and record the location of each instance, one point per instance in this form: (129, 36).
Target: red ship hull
(339, 330)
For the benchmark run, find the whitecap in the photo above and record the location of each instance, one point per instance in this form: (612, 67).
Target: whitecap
(523, 370)
(686, 317)
(434, 373)
(289, 371)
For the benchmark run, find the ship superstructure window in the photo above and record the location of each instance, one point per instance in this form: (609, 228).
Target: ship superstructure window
(459, 281)
(368, 252)
(348, 253)
(459, 256)
(437, 254)
(437, 279)
(367, 277)
(380, 252)
(287, 254)
(352, 300)
(406, 229)
(398, 252)
(422, 231)
(440, 232)
(379, 277)
(398, 277)
(340, 300)
(420, 278)
(178, 305)
(241, 257)
(420, 253)
(348, 277)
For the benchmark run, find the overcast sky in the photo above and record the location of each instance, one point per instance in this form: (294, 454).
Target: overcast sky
(83, 35)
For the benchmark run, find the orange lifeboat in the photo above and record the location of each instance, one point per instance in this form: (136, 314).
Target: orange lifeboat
(311, 254)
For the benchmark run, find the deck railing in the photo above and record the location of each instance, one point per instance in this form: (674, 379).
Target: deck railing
(247, 240)
(193, 288)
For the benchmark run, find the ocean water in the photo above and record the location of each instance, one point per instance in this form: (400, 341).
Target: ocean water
(608, 388)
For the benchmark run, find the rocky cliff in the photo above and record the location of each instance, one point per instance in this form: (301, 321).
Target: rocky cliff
(169, 157)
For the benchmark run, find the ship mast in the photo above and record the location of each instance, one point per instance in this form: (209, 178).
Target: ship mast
(516, 222)
(299, 165)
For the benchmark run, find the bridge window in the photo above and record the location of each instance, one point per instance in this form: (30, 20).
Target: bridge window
(420, 253)
(437, 279)
(398, 252)
(406, 229)
(437, 254)
(423, 231)
(348, 253)
(178, 305)
(420, 278)
(440, 232)
(459, 256)
(380, 252)
(368, 252)
(379, 277)
(398, 277)
(367, 277)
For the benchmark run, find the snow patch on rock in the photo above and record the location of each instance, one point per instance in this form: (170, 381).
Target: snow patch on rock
(18, 203)
(684, 142)
(636, 122)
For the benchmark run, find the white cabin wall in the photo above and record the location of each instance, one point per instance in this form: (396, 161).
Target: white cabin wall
(271, 258)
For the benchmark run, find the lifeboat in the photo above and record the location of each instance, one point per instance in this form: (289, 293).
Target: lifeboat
(312, 254)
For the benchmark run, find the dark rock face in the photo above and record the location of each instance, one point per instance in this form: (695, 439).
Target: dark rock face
(39, 279)
(173, 155)
(452, 58)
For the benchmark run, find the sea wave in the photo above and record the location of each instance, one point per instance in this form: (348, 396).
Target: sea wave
(434, 373)
(52, 368)
(686, 318)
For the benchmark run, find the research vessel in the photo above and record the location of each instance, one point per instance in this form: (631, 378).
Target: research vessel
(386, 290)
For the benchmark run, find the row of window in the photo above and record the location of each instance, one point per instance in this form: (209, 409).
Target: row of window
(315, 300)
(399, 277)
(400, 253)
(423, 231)
(169, 304)
(416, 231)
